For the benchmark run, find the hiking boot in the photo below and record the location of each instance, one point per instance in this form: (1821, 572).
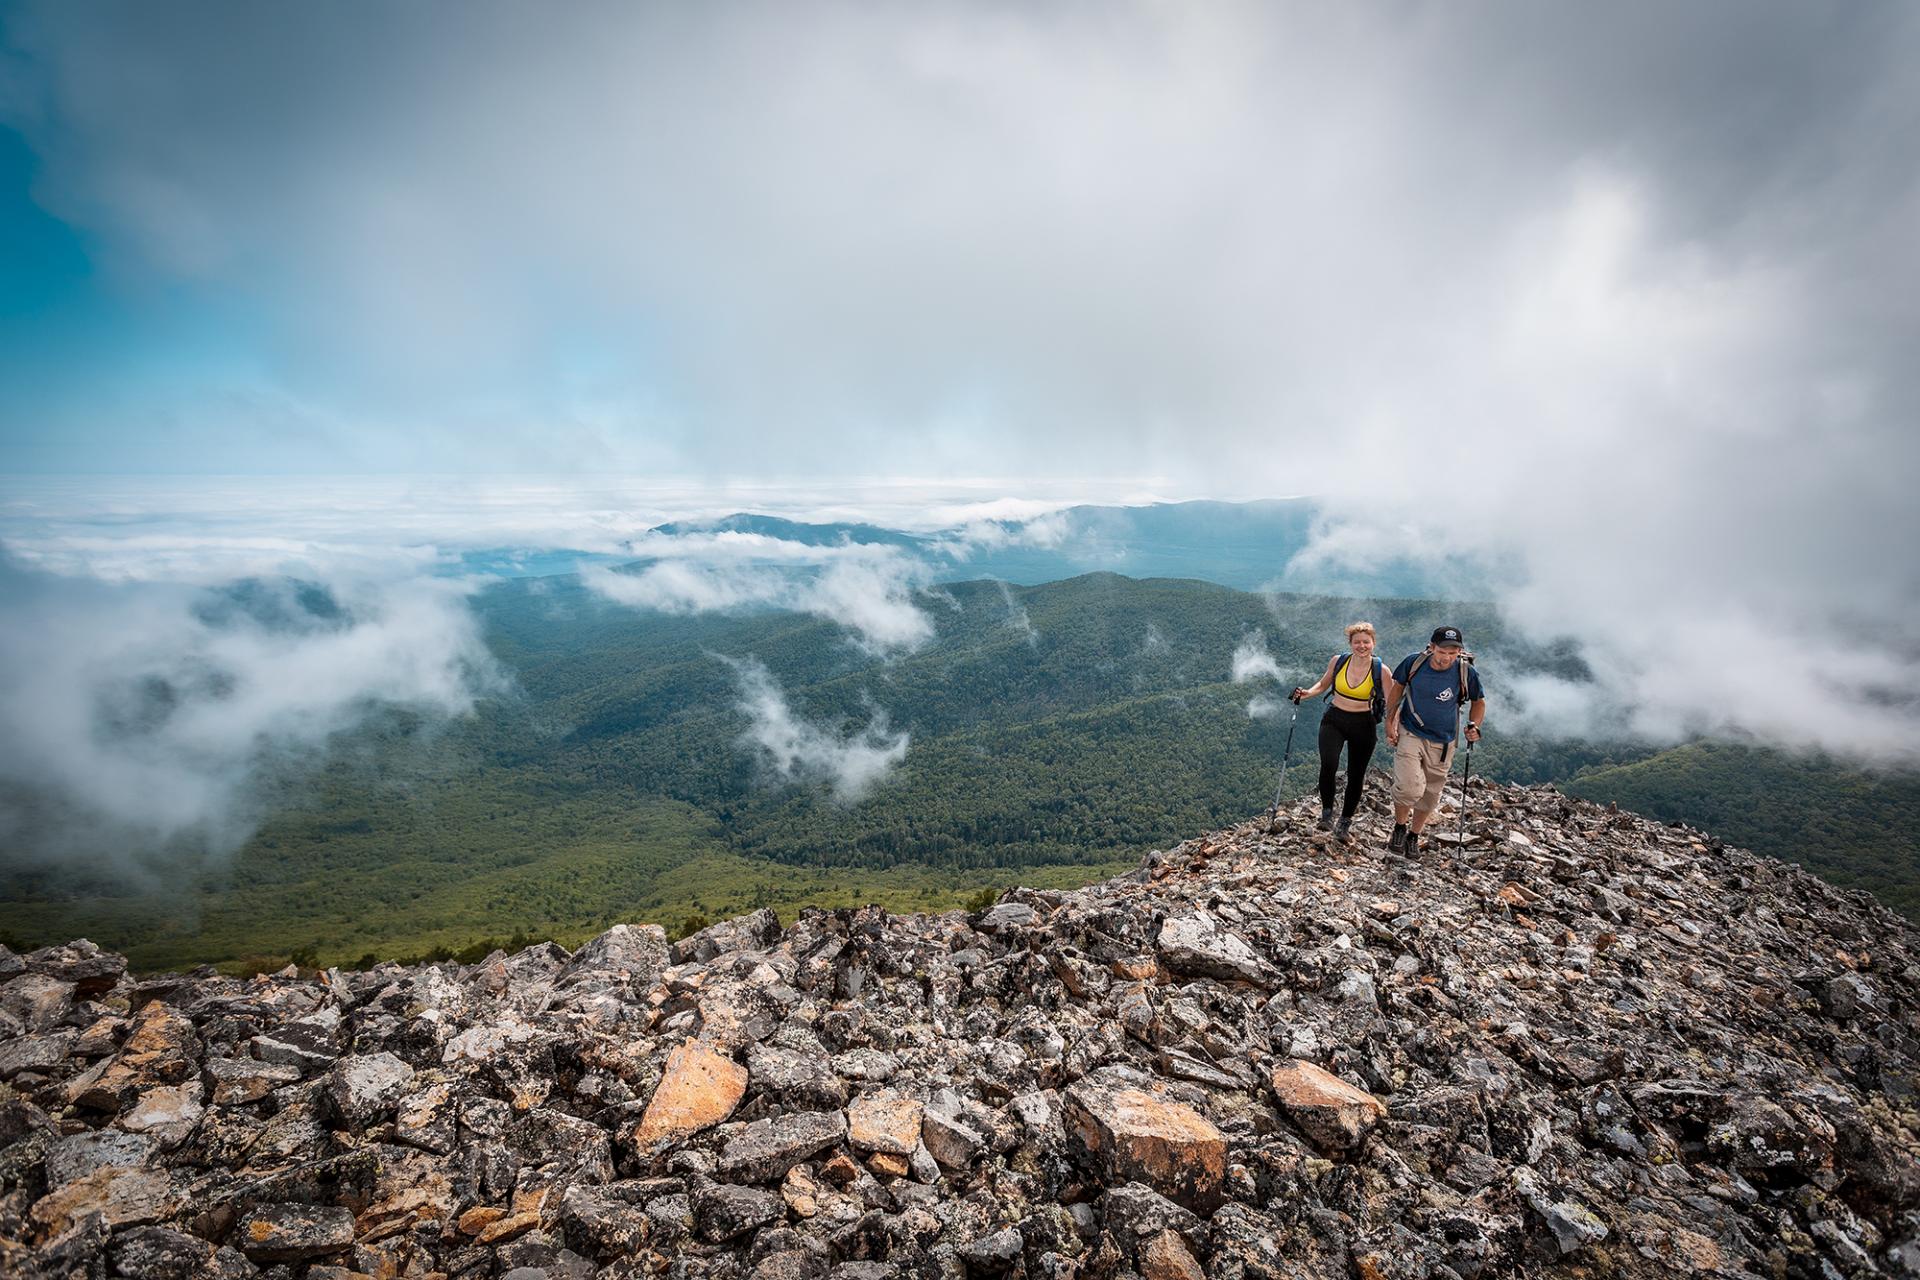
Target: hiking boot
(1397, 842)
(1340, 832)
(1326, 818)
(1413, 843)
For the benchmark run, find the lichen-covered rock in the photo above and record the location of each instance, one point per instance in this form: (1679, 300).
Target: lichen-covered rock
(723, 1211)
(700, 1088)
(1166, 1257)
(603, 1220)
(166, 1113)
(885, 1122)
(949, 1139)
(1328, 1110)
(1195, 944)
(121, 1195)
(311, 1044)
(765, 1149)
(634, 954)
(77, 1155)
(38, 1001)
(1125, 1134)
(364, 1087)
(38, 1053)
(806, 1080)
(291, 1232)
(994, 1252)
(161, 1253)
(428, 1118)
(752, 932)
(238, 1081)
(91, 971)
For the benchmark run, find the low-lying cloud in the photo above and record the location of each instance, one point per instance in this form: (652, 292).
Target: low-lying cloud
(140, 716)
(797, 750)
(1251, 662)
(866, 588)
(1018, 620)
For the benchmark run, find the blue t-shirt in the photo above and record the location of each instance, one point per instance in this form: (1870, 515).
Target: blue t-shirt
(1431, 695)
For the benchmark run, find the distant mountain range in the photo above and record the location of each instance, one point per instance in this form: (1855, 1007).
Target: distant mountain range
(1234, 544)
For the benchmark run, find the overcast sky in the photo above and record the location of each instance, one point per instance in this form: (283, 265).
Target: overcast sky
(1192, 242)
(1622, 299)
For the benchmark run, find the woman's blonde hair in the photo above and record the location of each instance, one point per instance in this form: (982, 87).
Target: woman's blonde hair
(1361, 626)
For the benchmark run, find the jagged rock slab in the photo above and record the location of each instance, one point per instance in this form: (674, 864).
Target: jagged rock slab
(1334, 1114)
(1126, 1134)
(700, 1088)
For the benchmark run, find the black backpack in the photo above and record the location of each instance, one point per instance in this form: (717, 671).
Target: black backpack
(1379, 686)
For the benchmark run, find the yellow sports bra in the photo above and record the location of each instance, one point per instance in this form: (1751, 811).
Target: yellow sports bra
(1362, 692)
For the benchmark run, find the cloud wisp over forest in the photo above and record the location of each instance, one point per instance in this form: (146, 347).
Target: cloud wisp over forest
(139, 717)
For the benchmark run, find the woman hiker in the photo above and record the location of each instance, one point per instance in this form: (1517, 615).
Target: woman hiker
(1358, 687)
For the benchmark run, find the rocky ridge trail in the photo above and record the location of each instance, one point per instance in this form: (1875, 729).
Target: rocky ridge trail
(1582, 1044)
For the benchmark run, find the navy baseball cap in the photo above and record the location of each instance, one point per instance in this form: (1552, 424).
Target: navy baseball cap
(1447, 635)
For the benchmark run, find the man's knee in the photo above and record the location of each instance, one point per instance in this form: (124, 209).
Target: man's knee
(1409, 780)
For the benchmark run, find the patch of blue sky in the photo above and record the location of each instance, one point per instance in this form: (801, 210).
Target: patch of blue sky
(139, 350)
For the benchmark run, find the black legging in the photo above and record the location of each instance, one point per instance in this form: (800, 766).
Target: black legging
(1356, 730)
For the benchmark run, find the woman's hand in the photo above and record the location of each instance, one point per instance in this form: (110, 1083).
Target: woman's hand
(1297, 694)
(1393, 732)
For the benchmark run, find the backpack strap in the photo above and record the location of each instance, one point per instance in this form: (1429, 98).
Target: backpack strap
(1414, 670)
(1339, 665)
(1407, 701)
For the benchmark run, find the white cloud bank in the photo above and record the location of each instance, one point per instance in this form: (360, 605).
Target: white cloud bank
(797, 750)
(866, 588)
(140, 715)
(1710, 500)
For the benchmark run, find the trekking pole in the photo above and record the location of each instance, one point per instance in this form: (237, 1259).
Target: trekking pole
(1464, 779)
(1274, 815)
(1467, 776)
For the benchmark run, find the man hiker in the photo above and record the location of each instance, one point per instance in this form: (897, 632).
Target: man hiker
(1423, 722)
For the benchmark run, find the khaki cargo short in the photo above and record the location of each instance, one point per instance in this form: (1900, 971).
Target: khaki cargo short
(1419, 771)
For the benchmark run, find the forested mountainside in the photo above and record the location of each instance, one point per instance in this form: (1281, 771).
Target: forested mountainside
(1053, 734)
(1854, 827)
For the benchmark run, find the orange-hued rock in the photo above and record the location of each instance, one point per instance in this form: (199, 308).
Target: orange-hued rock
(1370, 1267)
(1166, 1257)
(884, 1122)
(161, 1049)
(511, 1227)
(1334, 1114)
(889, 1165)
(123, 1197)
(480, 1217)
(701, 1088)
(1132, 1135)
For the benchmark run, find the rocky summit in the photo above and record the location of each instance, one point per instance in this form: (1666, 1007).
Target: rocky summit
(1575, 1043)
